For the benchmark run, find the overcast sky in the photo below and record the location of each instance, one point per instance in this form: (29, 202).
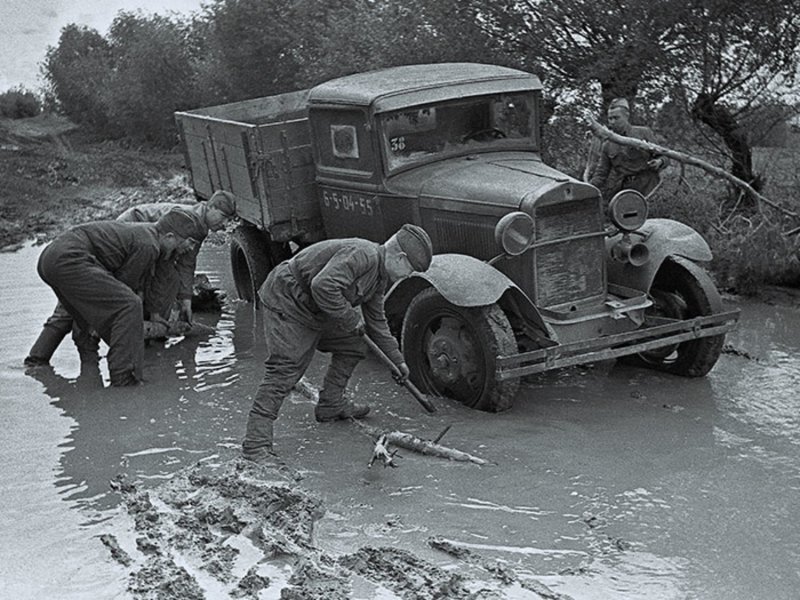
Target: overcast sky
(28, 27)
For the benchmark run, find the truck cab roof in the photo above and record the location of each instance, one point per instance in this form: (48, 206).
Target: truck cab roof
(410, 85)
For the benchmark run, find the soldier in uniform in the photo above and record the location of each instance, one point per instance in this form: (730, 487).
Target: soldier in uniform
(325, 298)
(173, 279)
(94, 269)
(625, 167)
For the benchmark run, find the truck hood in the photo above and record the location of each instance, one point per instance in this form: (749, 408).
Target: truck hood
(511, 180)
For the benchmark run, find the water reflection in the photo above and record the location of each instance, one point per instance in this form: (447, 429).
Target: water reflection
(181, 414)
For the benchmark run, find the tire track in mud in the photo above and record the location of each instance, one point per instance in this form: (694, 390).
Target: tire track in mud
(235, 529)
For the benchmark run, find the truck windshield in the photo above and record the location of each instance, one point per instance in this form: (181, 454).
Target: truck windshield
(464, 126)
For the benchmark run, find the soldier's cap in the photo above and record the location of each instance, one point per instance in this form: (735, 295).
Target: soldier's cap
(620, 103)
(182, 223)
(415, 242)
(223, 201)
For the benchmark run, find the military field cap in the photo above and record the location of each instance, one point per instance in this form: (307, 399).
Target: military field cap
(620, 103)
(414, 241)
(223, 201)
(182, 223)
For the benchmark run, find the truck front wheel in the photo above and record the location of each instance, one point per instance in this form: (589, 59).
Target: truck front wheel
(683, 290)
(452, 351)
(253, 256)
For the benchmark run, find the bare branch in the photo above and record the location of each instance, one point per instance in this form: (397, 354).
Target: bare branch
(606, 134)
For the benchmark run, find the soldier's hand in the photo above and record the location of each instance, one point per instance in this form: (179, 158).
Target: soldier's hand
(655, 163)
(186, 310)
(402, 373)
(361, 328)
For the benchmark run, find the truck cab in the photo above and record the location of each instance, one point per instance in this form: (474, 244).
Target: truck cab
(531, 272)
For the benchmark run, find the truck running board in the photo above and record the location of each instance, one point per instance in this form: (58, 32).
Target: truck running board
(657, 332)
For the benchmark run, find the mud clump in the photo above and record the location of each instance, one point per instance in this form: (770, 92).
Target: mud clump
(407, 575)
(235, 529)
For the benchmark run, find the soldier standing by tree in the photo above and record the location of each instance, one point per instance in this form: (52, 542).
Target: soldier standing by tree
(624, 167)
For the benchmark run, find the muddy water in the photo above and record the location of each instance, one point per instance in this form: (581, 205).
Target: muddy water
(607, 482)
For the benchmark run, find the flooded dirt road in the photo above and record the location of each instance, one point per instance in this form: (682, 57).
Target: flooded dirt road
(606, 482)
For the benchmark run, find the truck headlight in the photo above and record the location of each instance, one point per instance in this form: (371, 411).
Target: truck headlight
(514, 233)
(627, 210)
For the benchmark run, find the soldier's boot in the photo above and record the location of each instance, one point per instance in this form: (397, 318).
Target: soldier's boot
(332, 405)
(45, 345)
(126, 378)
(87, 343)
(257, 445)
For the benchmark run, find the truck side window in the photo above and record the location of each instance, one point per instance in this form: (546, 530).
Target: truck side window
(344, 141)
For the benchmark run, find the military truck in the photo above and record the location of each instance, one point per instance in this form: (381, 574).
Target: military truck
(532, 271)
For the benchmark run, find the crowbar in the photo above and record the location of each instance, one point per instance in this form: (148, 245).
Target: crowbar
(418, 396)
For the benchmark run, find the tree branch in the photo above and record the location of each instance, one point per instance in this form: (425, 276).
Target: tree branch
(606, 134)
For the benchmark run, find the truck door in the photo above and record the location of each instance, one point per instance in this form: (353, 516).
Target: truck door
(347, 173)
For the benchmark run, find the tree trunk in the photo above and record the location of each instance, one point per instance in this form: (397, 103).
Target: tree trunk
(722, 122)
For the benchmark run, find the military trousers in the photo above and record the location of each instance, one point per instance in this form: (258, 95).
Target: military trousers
(97, 301)
(292, 339)
(159, 299)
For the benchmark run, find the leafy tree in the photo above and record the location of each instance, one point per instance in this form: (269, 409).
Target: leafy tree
(733, 57)
(75, 70)
(251, 45)
(361, 35)
(618, 43)
(152, 77)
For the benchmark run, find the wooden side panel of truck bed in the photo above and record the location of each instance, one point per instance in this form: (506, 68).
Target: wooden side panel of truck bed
(260, 150)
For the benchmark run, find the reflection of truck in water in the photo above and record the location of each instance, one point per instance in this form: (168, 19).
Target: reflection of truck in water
(528, 275)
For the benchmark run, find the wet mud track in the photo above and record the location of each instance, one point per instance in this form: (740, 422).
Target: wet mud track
(235, 529)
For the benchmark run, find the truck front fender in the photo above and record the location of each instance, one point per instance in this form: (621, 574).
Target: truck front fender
(663, 238)
(466, 281)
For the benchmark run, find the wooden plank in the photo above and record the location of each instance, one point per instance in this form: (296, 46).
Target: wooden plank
(268, 108)
(226, 133)
(296, 131)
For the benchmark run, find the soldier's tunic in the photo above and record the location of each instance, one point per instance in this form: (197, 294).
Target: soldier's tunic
(178, 281)
(312, 303)
(171, 279)
(625, 167)
(93, 269)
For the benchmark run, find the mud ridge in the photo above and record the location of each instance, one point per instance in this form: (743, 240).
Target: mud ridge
(235, 529)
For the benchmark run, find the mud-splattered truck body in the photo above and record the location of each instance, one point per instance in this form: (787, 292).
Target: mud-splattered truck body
(531, 271)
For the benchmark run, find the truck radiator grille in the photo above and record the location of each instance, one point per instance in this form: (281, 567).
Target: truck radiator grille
(572, 267)
(462, 234)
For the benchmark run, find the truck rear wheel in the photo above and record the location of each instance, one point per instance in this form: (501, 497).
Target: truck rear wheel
(253, 256)
(452, 350)
(683, 290)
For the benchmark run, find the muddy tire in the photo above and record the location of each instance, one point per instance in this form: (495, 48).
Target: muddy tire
(253, 256)
(451, 351)
(683, 290)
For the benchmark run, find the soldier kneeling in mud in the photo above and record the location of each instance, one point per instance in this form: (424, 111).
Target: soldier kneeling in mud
(172, 281)
(326, 297)
(94, 270)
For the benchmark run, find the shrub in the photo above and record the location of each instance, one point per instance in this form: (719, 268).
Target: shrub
(19, 103)
(152, 77)
(76, 71)
(750, 253)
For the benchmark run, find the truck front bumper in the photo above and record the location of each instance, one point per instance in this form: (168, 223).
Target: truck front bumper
(657, 332)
